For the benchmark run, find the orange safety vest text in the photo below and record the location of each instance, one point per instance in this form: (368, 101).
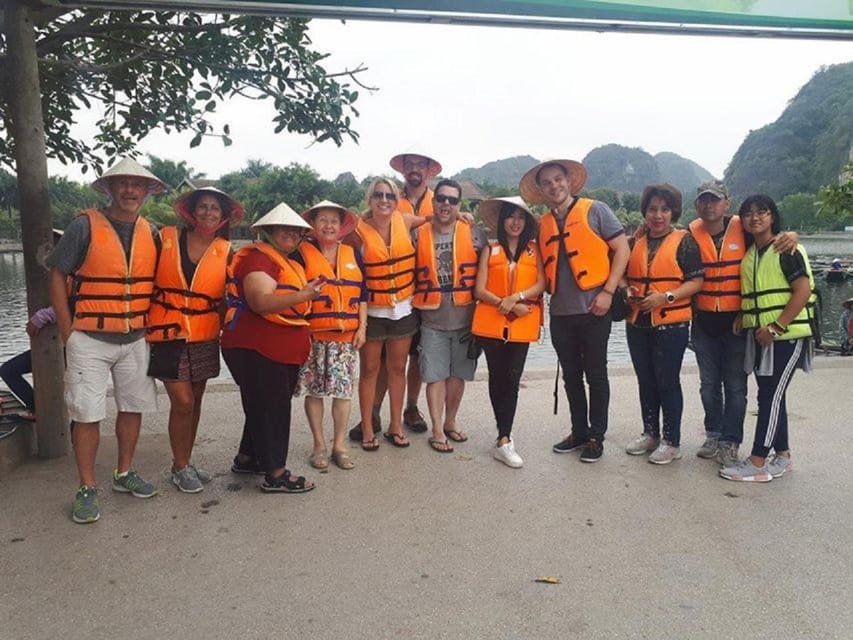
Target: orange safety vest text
(587, 252)
(182, 311)
(721, 287)
(336, 308)
(291, 278)
(110, 293)
(427, 288)
(488, 322)
(661, 276)
(390, 271)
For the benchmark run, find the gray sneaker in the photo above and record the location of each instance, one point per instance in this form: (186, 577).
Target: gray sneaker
(665, 453)
(86, 507)
(779, 465)
(130, 482)
(187, 480)
(709, 448)
(727, 454)
(646, 443)
(203, 474)
(745, 471)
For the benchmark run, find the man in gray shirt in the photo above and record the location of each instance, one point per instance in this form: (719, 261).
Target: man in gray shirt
(585, 252)
(446, 272)
(109, 256)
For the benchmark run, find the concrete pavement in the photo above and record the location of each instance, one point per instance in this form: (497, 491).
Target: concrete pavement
(417, 544)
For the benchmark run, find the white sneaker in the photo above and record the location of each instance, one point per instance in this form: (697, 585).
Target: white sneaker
(644, 444)
(664, 454)
(506, 453)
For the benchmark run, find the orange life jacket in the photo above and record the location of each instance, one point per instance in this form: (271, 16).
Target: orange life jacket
(721, 287)
(662, 275)
(488, 323)
(390, 271)
(291, 278)
(181, 310)
(587, 252)
(109, 294)
(335, 310)
(427, 288)
(424, 209)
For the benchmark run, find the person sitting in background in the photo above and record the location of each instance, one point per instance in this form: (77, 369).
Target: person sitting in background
(12, 371)
(845, 328)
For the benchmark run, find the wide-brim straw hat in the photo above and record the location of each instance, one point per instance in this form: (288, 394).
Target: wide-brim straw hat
(530, 191)
(433, 169)
(281, 215)
(130, 167)
(235, 209)
(490, 210)
(236, 212)
(350, 219)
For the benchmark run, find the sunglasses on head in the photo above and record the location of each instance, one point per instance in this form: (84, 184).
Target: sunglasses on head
(384, 195)
(450, 199)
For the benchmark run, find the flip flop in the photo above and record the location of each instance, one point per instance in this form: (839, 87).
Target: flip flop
(436, 444)
(370, 445)
(456, 436)
(397, 439)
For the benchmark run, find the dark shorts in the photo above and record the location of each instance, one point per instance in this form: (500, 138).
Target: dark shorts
(385, 329)
(181, 361)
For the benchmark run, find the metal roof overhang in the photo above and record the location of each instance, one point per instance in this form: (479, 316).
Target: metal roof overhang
(815, 19)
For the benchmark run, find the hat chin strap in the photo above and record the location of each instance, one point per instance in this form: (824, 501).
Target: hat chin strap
(188, 218)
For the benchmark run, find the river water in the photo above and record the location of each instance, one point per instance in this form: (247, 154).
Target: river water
(13, 317)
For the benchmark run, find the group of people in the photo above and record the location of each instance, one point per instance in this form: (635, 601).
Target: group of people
(412, 282)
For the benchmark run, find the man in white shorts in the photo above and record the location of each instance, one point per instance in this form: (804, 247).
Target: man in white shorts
(108, 257)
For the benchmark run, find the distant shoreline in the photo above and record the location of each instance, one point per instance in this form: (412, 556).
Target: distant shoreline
(11, 247)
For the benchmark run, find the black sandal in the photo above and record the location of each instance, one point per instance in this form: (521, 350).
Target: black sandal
(286, 483)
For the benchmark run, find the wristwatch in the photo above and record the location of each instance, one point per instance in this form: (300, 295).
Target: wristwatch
(670, 297)
(773, 331)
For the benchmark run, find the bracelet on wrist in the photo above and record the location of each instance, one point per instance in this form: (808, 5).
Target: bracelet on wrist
(611, 293)
(782, 328)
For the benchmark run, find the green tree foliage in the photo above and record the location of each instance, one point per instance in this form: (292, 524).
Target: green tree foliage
(620, 168)
(798, 212)
(806, 147)
(837, 199)
(145, 70)
(8, 192)
(171, 172)
(607, 196)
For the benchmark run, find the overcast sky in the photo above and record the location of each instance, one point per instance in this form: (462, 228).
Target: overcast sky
(469, 95)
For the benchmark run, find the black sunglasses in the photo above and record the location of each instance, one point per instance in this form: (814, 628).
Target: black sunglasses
(383, 195)
(443, 198)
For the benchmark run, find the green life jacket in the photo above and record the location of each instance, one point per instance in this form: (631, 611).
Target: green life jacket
(765, 293)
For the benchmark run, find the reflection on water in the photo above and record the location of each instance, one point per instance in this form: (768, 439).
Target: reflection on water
(13, 318)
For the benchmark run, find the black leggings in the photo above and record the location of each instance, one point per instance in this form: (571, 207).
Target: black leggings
(266, 389)
(506, 364)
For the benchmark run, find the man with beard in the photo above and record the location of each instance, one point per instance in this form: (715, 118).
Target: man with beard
(110, 255)
(446, 268)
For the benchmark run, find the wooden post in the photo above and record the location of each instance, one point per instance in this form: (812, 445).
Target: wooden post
(27, 129)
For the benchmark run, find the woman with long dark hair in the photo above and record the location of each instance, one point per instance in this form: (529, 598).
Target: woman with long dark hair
(508, 316)
(776, 298)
